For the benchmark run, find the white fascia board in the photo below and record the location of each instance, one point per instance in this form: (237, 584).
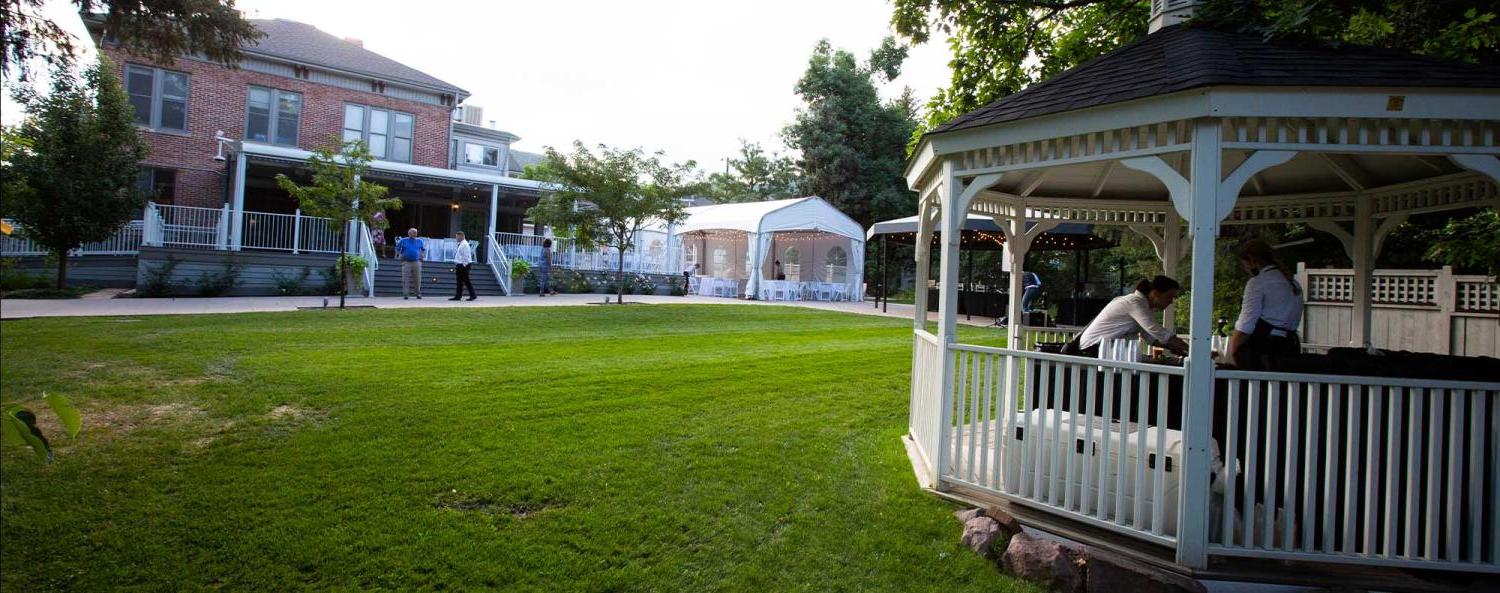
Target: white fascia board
(916, 166)
(1184, 105)
(256, 148)
(1345, 102)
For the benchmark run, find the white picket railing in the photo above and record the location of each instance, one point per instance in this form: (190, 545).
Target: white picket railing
(1092, 443)
(567, 254)
(126, 241)
(499, 265)
(1395, 472)
(926, 399)
(186, 226)
(1318, 468)
(288, 232)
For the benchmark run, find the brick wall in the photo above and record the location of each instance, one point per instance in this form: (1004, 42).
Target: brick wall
(216, 101)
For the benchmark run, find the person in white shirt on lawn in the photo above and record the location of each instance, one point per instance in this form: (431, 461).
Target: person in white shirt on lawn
(1270, 312)
(463, 259)
(1130, 315)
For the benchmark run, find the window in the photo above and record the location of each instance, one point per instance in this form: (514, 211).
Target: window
(158, 96)
(387, 133)
(655, 252)
(158, 185)
(720, 262)
(838, 265)
(791, 264)
(689, 256)
(272, 116)
(479, 154)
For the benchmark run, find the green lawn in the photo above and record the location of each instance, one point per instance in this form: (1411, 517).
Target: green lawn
(641, 448)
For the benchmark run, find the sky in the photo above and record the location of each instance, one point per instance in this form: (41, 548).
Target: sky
(689, 78)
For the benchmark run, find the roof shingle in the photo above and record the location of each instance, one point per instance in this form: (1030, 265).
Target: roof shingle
(1183, 57)
(301, 42)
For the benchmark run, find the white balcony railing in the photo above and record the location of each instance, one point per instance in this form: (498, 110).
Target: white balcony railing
(567, 255)
(126, 241)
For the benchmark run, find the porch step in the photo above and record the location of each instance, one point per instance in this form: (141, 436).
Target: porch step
(437, 279)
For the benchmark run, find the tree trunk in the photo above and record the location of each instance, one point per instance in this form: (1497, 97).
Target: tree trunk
(343, 267)
(62, 269)
(620, 279)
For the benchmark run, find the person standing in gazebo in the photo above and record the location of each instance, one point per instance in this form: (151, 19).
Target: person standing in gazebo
(1270, 312)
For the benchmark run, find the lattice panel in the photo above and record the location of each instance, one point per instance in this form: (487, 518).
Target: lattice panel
(1478, 297)
(1167, 134)
(1445, 196)
(1362, 132)
(1329, 288)
(1403, 290)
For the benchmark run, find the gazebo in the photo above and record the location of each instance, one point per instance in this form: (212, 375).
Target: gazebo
(1206, 470)
(738, 246)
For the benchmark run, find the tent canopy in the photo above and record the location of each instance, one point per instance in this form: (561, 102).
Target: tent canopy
(797, 214)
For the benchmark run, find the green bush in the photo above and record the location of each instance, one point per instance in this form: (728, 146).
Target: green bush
(291, 286)
(220, 283)
(14, 277)
(71, 292)
(158, 281)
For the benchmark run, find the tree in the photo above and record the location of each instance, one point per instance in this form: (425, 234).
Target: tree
(1472, 242)
(159, 30)
(850, 140)
(1002, 46)
(72, 179)
(339, 193)
(606, 199)
(755, 176)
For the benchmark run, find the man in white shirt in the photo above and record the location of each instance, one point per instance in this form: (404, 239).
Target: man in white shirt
(1133, 314)
(1270, 312)
(463, 259)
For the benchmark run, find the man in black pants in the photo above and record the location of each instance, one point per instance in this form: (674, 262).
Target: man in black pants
(463, 258)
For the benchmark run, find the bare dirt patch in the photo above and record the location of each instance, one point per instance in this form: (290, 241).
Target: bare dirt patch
(478, 503)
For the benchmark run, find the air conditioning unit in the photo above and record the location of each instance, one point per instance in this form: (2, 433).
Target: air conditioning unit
(1087, 450)
(473, 115)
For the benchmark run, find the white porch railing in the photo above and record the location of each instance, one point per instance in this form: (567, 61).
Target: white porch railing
(126, 241)
(499, 265)
(187, 226)
(288, 232)
(566, 254)
(1317, 468)
(1353, 469)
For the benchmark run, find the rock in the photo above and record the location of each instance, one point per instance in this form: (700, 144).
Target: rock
(1008, 524)
(1051, 564)
(964, 515)
(1112, 572)
(980, 535)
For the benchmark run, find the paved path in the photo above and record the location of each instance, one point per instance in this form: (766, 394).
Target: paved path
(93, 307)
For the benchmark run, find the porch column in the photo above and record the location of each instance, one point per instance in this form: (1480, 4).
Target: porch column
(1171, 260)
(1364, 266)
(494, 206)
(237, 204)
(923, 250)
(1203, 201)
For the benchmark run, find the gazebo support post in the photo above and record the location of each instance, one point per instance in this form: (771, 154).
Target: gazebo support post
(924, 259)
(1364, 266)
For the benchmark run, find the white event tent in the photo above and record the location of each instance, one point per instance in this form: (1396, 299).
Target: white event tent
(820, 249)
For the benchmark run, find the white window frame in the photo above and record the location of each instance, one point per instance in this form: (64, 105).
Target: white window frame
(157, 79)
(390, 130)
(464, 154)
(275, 116)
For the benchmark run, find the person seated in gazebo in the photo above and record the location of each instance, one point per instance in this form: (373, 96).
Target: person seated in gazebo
(1129, 315)
(1270, 311)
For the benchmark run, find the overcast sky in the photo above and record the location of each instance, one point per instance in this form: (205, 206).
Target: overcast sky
(686, 77)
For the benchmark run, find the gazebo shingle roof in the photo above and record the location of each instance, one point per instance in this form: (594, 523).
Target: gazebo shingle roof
(1184, 57)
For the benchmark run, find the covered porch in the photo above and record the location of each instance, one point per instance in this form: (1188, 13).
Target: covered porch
(1191, 464)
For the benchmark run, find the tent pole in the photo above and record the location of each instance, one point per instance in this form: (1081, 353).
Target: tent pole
(969, 284)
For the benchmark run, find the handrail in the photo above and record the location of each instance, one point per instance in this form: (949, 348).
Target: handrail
(1119, 364)
(367, 251)
(1363, 380)
(498, 263)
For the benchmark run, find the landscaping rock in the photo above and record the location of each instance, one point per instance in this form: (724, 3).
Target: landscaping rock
(964, 515)
(1111, 572)
(1051, 564)
(980, 535)
(1008, 524)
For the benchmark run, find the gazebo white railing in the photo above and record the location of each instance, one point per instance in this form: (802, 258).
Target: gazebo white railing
(1192, 462)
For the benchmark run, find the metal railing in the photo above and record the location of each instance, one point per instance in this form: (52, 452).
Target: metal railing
(125, 241)
(186, 226)
(499, 265)
(567, 254)
(288, 232)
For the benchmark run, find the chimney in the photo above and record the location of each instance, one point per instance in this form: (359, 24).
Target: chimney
(492, 124)
(1165, 13)
(356, 41)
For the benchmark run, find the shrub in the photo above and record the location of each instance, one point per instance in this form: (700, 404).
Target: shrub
(219, 284)
(71, 292)
(158, 281)
(677, 288)
(14, 277)
(290, 286)
(332, 282)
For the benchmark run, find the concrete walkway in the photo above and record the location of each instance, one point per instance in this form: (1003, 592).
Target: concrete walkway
(95, 307)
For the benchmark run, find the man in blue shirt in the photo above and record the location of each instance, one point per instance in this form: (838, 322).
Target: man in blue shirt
(410, 250)
(1032, 289)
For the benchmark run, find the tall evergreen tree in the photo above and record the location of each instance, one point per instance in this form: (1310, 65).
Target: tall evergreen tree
(851, 141)
(73, 178)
